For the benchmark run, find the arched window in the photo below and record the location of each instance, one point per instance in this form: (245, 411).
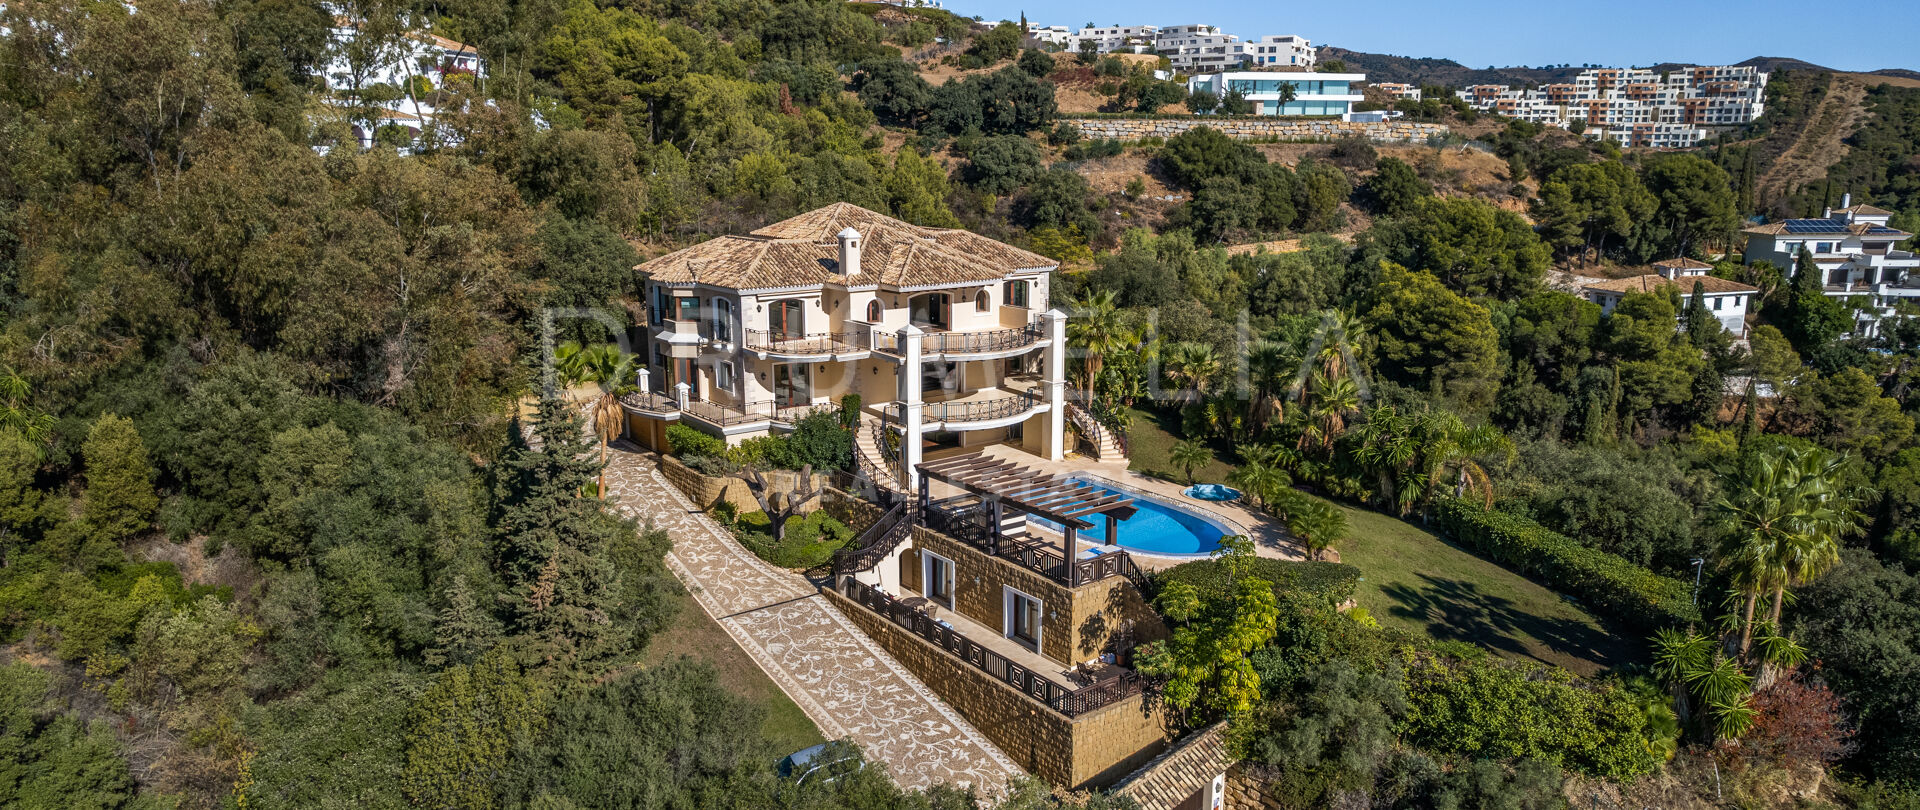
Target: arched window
(982, 302)
(874, 310)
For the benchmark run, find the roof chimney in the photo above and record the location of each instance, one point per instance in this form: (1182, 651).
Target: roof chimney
(849, 251)
(1846, 200)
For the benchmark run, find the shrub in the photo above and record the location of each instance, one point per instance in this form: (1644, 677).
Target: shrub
(688, 443)
(766, 451)
(811, 539)
(1332, 582)
(821, 438)
(1490, 708)
(1603, 582)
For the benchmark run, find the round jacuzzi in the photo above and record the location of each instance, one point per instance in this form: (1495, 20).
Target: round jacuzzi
(1212, 492)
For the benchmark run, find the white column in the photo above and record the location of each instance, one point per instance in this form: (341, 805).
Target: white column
(911, 406)
(1056, 384)
(680, 394)
(641, 378)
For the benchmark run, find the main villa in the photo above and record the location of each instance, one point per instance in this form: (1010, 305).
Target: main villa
(947, 338)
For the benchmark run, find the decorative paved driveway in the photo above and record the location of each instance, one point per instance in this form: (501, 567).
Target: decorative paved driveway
(846, 684)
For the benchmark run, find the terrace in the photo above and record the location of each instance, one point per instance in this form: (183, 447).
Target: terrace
(1070, 692)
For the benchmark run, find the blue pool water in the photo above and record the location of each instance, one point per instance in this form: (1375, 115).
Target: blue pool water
(1212, 492)
(1155, 528)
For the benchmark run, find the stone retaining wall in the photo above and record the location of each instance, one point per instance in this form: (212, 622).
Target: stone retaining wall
(1283, 129)
(706, 491)
(1094, 749)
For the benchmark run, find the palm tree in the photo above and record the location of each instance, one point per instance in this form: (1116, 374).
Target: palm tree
(1389, 449)
(1781, 515)
(1269, 365)
(613, 370)
(1450, 443)
(1260, 474)
(1334, 398)
(1190, 455)
(570, 366)
(1098, 328)
(1318, 525)
(1192, 367)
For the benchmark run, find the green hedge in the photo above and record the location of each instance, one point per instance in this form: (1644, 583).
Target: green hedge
(1604, 583)
(1334, 582)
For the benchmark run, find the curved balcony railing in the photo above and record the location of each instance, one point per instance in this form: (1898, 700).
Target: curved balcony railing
(649, 402)
(822, 343)
(981, 410)
(997, 340)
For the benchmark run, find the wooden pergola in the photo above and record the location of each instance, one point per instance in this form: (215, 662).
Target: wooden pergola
(1003, 485)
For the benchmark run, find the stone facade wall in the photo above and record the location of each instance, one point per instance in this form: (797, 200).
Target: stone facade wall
(1092, 750)
(1076, 625)
(1284, 129)
(858, 514)
(1251, 787)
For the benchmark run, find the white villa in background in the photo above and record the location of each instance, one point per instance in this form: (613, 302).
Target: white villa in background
(419, 54)
(1727, 299)
(1636, 107)
(1853, 247)
(946, 336)
(1318, 94)
(1398, 91)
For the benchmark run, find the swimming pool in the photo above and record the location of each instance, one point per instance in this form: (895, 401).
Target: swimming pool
(1158, 526)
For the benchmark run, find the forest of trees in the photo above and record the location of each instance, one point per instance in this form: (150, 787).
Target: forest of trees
(286, 519)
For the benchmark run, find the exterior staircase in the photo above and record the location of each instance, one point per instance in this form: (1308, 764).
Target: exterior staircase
(874, 459)
(1106, 444)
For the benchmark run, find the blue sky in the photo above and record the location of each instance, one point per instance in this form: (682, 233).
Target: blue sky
(1862, 35)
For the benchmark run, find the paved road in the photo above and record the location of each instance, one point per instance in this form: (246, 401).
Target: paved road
(846, 684)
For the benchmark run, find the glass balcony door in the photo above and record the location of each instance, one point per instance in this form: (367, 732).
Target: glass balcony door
(792, 385)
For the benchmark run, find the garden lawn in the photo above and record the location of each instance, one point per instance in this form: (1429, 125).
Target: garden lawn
(696, 635)
(1414, 580)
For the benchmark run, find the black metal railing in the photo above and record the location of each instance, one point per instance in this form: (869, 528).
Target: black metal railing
(1065, 700)
(717, 414)
(980, 410)
(649, 402)
(879, 540)
(810, 343)
(969, 521)
(995, 340)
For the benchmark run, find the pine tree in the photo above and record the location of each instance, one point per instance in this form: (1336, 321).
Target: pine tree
(562, 589)
(464, 629)
(119, 499)
(1809, 317)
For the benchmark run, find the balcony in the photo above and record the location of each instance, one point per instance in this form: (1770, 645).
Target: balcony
(820, 346)
(1068, 692)
(965, 345)
(976, 410)
(717, 414)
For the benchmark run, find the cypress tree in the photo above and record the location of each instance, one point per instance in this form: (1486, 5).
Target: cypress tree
(119, 499)
(1750, 422)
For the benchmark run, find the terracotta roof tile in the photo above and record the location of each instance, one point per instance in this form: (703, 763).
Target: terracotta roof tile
(1864, 209)
(1653, 281)
(1683, 264)
(1180, 771)
(805, 250)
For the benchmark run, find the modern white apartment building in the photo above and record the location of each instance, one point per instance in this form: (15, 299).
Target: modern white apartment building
(1112, 38)
(947, 337)
(1398, 91)
(1277, 51)
(1727, 299)
(1318, 94)
(1636, 107)
(1196, 47)
(1853, 248)
(1056, 35)
(356, 66)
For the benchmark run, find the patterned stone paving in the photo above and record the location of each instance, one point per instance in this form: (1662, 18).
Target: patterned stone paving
(849, 687)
